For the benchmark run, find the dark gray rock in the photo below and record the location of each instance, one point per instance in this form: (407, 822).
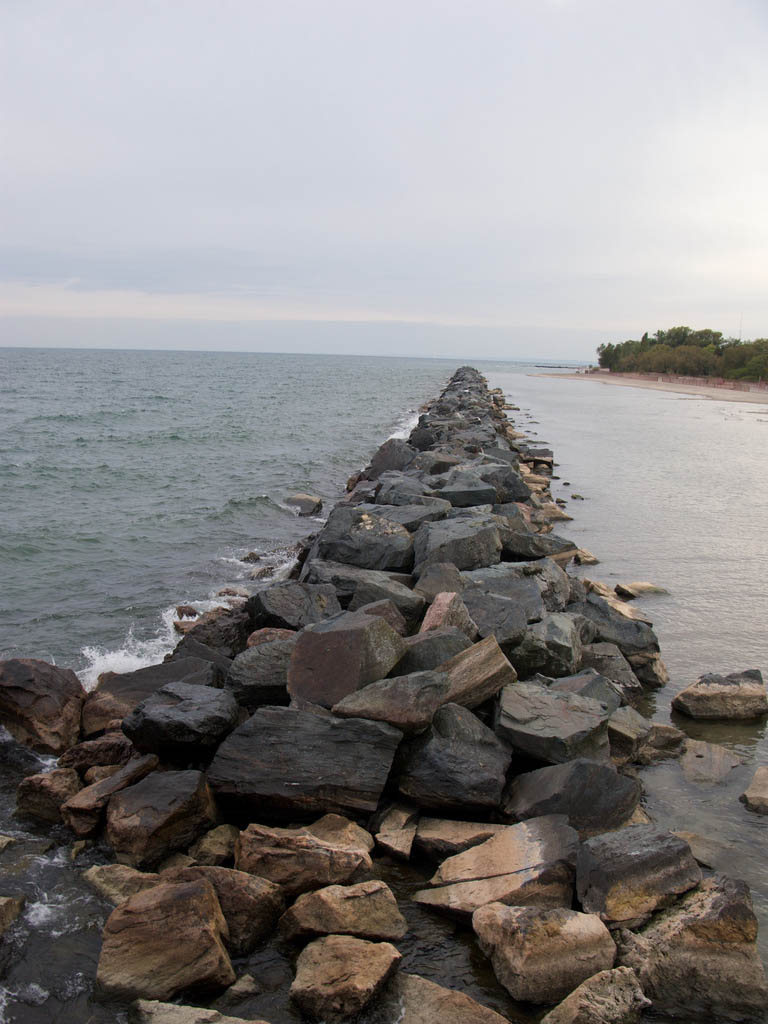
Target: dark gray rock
(387, 611)
(625, 876)
(259, 676)
(440, 578)
(402, 489)
(223, 629)
(631, 636)
(467, 543)
(552, 727)
(507, 481)
(520, 545)
(495, 615)
(552, 647)
(188, 647)
(426, 651)
(608, 660)
(394, 454)
(628, 732)
(357, 587)
(458, 764)
(110, 749)
(410, 516)
(284, 761)
(408, 702)
(181, 722)
(463, 487)
(338, 656)
(593, 796)
(539, 585)
(587, 683)
(293, 605)
(369, 542)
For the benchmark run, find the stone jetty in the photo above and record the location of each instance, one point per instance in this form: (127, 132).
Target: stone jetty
(434, 687)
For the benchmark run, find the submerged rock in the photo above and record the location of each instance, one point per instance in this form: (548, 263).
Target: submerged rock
(756, 795)
(741, 695)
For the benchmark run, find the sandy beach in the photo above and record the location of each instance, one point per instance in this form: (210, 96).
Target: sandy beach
(697, 390)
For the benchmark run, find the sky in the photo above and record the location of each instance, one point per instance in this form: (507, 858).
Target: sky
(521, 178)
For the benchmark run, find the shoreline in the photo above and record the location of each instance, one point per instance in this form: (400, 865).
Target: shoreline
(693, 390)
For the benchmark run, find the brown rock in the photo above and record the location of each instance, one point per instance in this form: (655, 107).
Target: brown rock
(111, 749)
(251, 906)
(300, 859)
(540, 956)
(99, 772)
(608, 997)
(438, 838)
(388, 611)
(152, 1011)
(42, 795)
(164, 812)
(10, 908)
(166, 940)
(367, 910)
(407, 702)
(40, 704)
(396, 830)
(337, 976)
(707, 762)
(117, 882)
(478, 673)
(267, 634)
(448, 609)
(216, 847)
(756, 795)
(84, 812)
(741, 695)
(410, 999)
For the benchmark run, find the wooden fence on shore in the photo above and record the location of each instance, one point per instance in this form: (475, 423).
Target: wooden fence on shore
(706, 382)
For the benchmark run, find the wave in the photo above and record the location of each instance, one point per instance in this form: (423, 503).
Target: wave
(406, 425)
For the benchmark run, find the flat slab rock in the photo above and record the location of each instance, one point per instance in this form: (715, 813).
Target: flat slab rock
(84, 812)
(707, 762)
(138, 961)
(293, 605)
(550, 726)
(367, 910)
(438, 838)
(530, 863)
(152, 1011)
(625, 876)
(338, 975)
(593, 796)
(40, 704)
(409, 999)
(540, 956)
(699, 958)
(608, 997)
(741, 695)
(408, 702)
(288, 761)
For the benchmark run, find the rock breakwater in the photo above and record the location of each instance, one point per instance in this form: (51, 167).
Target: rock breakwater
(432, 688)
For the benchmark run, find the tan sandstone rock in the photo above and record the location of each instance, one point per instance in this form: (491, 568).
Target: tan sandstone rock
(608, 997)
(337, 976)
(367, 910)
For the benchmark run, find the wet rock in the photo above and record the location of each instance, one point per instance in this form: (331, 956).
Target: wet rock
(84, 811)
(410, 999)
(552, 727)
(113, 748)
(10, 908)
(293, 605)
(478, 673)
(216, 847)
(741, 695)
(288, 761)
(266, 635)
(464, 488)
(259, 676)
(357, 587)
(137, 959)
(223, 629)
(587, 683)
(608, 660)
(116, 883)
(594, 796)
(40, 704)
(466, 543)
(631, 637)
(707, 762)
(182, 722)
(410, 516)
(338, 975)
(389, 612)
(448, 609)
(407, 702)
(496, 615)
(367, 910)
(520, 545)
(311, 857)
(427, 651)
(188, 647)
(629, 591)
(662, 742)
(538, 955)
(336, 657)
(398, 488)
(458, 763)
(250, 905)
(152, 1011)
(396, 830)
(625, 876)
(552, 647)
(628, 732)
(531, 863)
(698, 960)
(100, 772)
(394, 454)
(438, 838)
(42, 795)
(163, 813)
(649, 669)
(756, 795)
(116, 695)
(440, 578)
(608, 997)
(306, 504)
(367, 541)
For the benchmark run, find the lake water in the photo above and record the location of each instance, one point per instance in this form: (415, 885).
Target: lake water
(134, 481)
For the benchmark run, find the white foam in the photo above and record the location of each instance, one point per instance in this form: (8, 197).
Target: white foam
(132, 654)
(406, 426)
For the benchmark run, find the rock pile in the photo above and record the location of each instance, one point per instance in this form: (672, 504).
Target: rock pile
(432, 686)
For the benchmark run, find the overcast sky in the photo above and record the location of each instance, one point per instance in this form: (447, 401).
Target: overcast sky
(564, 171)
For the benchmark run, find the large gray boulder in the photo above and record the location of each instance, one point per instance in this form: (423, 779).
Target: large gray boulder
(552, 727)
(496, 615)
(594, 796)
(457, 764)
(426, 651)
(336, 657)
(631, 636)
(464, 488)
(259, 676)
(625, 876)
(469, 543)
(408, 702)
(698, 959)
(410, 516)
(552, 647)
(182, 722)
(285, 761)
(741, 695)
(394, 454)
(608, 660)
(40, 704)
(358, 538)
(587, 683)
(293, 605)
(356, 587)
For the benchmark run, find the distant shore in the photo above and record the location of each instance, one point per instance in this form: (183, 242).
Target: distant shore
(700, 390)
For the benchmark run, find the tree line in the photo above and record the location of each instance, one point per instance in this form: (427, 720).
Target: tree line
(690, 353)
